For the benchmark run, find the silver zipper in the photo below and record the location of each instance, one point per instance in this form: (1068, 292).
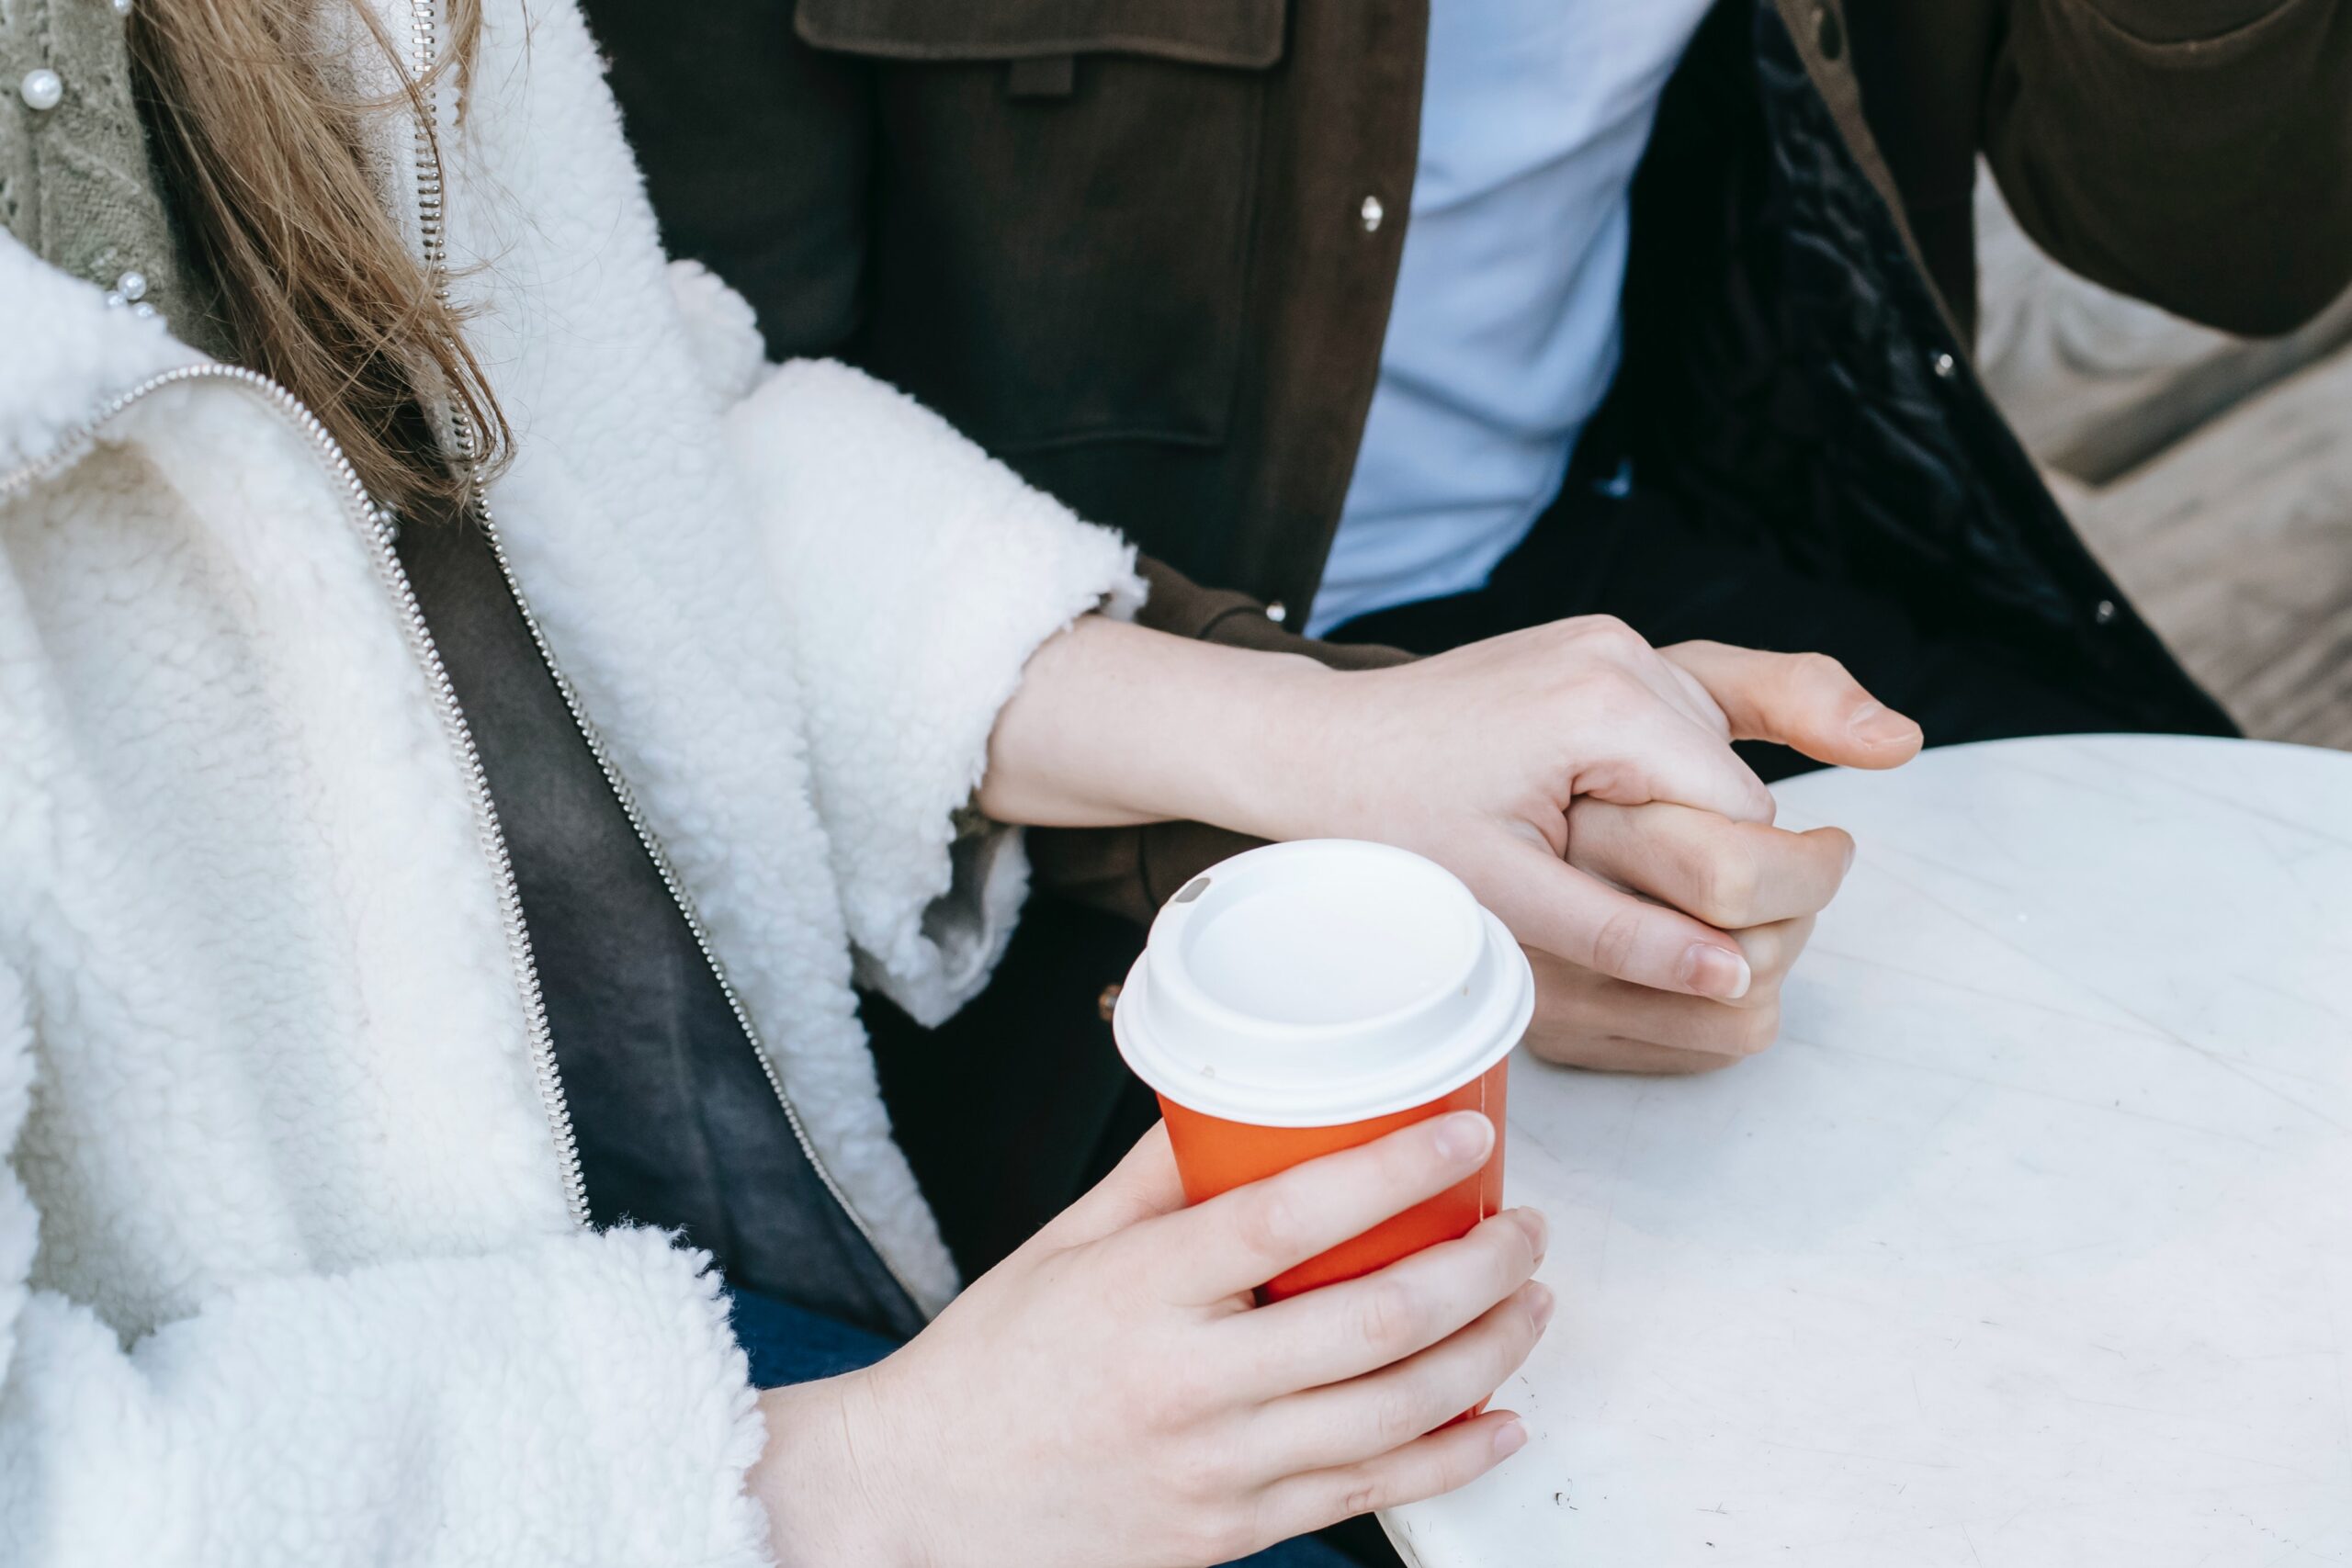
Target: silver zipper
(375, 529)
(433, 243)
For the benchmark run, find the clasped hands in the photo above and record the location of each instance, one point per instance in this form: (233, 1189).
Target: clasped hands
(1582, 783)
(1584, 786)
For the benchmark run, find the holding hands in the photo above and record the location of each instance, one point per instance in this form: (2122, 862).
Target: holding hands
(1580, 781)
(1757, 884)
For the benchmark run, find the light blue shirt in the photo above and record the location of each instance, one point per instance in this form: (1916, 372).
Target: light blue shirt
(1505, 331)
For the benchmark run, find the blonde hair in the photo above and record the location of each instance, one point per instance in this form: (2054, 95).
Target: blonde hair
(315, 285)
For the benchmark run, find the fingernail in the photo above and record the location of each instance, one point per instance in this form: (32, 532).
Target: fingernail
(1875, 724)
(1540, 1302)
(1850, 848)
(1717, 972)
(1539, 1233)
(1509, 1437)
(1464, 1137)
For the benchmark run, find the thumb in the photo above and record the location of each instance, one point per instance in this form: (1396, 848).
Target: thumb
(1805, 701)
(1141, 1186)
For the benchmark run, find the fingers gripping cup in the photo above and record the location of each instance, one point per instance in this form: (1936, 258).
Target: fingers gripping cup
(1306, 998)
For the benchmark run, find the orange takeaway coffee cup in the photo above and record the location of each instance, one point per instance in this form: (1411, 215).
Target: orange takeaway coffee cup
(1306, 998)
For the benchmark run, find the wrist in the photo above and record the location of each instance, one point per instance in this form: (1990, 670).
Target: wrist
(1269, 775)
(826, 1478)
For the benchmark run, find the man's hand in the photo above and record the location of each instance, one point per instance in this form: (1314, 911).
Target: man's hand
(1760, 885)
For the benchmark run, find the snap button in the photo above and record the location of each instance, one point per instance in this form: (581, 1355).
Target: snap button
(1278, 612)
(1828, 32)
(2105, 611)
(41, 89)
(1372, 212)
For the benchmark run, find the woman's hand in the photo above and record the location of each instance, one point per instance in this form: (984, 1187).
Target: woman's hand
(1108, 1395)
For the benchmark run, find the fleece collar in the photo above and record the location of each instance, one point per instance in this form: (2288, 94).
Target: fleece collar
(67, 353)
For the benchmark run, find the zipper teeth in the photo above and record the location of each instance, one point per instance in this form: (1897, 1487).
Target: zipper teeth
(375, 528)
(679, 897)
(520, 958)
(540, 1035)
(432, 243)
(75, 442)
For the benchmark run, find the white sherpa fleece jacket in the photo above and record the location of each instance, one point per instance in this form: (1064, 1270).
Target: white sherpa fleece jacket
(288, 1273)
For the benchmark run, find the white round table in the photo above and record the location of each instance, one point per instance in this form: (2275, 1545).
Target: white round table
(2030, 1244)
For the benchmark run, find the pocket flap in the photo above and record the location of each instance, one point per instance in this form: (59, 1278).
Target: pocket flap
(1238, 33)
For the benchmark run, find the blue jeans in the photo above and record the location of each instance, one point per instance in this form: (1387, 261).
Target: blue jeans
(787, 1344)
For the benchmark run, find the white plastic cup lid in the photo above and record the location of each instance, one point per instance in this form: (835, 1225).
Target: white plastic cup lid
(1318, 982)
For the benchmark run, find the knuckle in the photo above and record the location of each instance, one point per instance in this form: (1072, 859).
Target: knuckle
(1818, 669)
(1618, 941)
(1199, 1476)
(1268, 1224)
(1731, 882)
(1218, 1535)
(1389, 1318)
(1616, 693)
(1771, 951)
(1608, 634)
(1359, 1494)
(1172, 1401)
(1398, 1415)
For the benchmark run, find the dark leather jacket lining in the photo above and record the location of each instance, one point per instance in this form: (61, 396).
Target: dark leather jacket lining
(677, 1124)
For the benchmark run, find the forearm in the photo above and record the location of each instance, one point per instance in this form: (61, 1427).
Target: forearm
(1115, 724)
(1131, 871)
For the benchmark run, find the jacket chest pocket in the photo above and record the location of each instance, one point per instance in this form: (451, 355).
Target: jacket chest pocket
(1064, 196)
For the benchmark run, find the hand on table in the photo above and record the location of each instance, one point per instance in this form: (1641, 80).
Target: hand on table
(1760, 885)
(1584, 786)
(1108, 1397)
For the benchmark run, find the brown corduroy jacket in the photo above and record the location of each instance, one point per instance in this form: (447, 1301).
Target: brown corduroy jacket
(1144, 250)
